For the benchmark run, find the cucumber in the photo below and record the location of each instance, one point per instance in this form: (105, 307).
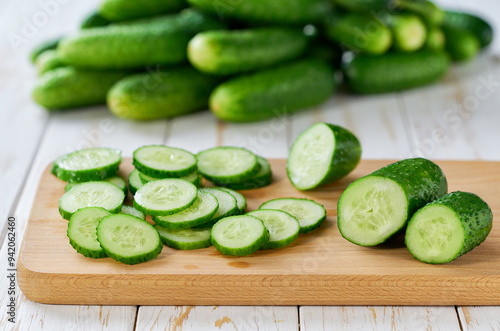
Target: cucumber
(322, 154)
(116, 180)
(409, 32)
(50, 44)
(163, 161)
(91, 194)
(124, 10)
(378, 206)
(94, 20)
(359, 32)
(282, 12)
(395, 71)
(428, 10)
(157, 41)
(364, 5)
(185, 239)
(228, 206)
(472, 23)
(134, 181)
(283, 228)
(310, 214)
(161, 94)
(201, 211)
(165, 196)
(47, 61)
(241, 201)
(277, 91)
(238, 51)
(129, 210)
(193, 177)
(435, 39)
(448, 227)
(263, 178)
(69, 87)
(462, 45)
(128, 239)
(239, 235)
(81, 232)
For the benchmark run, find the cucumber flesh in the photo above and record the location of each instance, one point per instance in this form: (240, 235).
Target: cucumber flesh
(263, 178)
(227, 164)
(241, 201)
(129, 210)
(134, 181)
(283, 228)
(193, 177)
(82, 231)
(185, 239)
(228, 205)
(116, 180)
(163, 162)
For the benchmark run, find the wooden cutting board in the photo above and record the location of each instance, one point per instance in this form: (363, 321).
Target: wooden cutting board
(319, 268)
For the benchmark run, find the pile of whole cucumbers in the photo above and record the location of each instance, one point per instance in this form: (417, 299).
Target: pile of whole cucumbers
(249, 60)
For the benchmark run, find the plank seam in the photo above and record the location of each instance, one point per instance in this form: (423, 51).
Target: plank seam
(136, 317)
(459, 320)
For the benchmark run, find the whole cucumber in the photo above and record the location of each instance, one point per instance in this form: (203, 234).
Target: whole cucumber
(435, 39)
(48, 60)
(45, 46)
(124, 10)
(392, 72)
(364, 5)
(472, 23)
(231, 52)
(94, 20)
(273, 92)
(462, 45)
(408, 30)
(428, 10)
(162, 40)
(161, 94)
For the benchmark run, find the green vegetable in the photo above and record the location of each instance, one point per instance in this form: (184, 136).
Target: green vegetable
(428, 10)
(45, 46)
(435, 39)
(162, 161)
(94, 20)
(185, 239)
(364, 5)
(82, 231)
(472, 23)
(48, 60)
(124, 10)
(462, 45)
(409, 31)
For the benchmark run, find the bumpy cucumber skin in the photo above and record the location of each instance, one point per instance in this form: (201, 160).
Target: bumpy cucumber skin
(94, 20)
(82, 250)
(157, 41)
(281, 12)
(462, 45)
(232, 52)
(395, 71)
(263, 178)
(435, 39)
(273, 92)
(45, 46)
(363, 5)
(474, 214)
(161, 173)
(172, 93)
(124, 10)
(68, 87)
(47, 61)
(465, 21)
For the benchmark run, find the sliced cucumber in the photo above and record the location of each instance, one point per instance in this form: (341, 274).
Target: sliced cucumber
(128, 239)
(134, 181)
(165, 196)
(82, 231)
(185, 239)
(91, 164)
(310, 214)
(241, 201)
(201, 211)
(283, 228)
(228, 205)
(129, 210)
(263, 178)
(192, 177)
(239, 235)
(448, 227)
(91, 194)
(164, 162)
(322, 154)
(227, 164)
(117, 180)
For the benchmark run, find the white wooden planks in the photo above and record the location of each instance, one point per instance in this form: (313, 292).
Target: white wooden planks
(475, 318)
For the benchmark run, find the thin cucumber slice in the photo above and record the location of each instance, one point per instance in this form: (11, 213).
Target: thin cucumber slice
(134, 181)
(241, 201)
(129, 210)
(55, 165)
(227, 164)
(263, 178)
(192, 177)
(201, 211)
(227, 205)
(165, 196)
(128, 239)
(90, 164)
(185, 239)
(322, 154)
(239, 235)
(283, 228)
(310, 214)
(164, 162)
(117, 180)
(91, 194)
(82, 231)
(448, 227)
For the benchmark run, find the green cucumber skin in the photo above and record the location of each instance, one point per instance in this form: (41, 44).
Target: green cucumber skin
(474, 214)
(404, 28)
(232, 52)
(273, 92)
(68, 87)
(48, 60)
(394, 72)
(45, 46)
(94, 20)
(436, 39)
(173, 93)
(469, 22)
(151, 42)
(279, 12)
(462, 45)
(364, 5)
(124, 10)
(428, 10)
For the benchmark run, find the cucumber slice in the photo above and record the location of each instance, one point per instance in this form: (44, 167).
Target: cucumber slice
(192, 177)
(134, 181)
(239, 235)
(128, 239)
(227, 205)
(129, 210)
(227, 164)
(283, 228)
(116, 180)
(201, 211)
(448, 227)
(82, 231)
(322, 154)
(91, 194)
(263, 178)
(310, 214)
(90, 164)
(164, 162)
(241, 201)
(185, 239)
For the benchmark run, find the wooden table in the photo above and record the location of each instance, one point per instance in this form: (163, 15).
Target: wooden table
(456, 119)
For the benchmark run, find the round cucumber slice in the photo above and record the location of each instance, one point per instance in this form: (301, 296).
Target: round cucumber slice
(128, 239)
(192, 177)
(263, 178)
(185, 239)
(283, 228)
(82, 231)
(134, 181)
(164, 162)
(91, 194)
(227, 205)
(117, 180)
(241, 201)
(129, 210)
(310, 214)
(239, 235)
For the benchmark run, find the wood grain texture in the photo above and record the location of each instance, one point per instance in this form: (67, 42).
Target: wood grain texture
(306, 272)
(475, 318)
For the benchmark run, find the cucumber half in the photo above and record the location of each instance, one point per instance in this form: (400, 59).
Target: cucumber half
(283, 228)
(161, 161)
(82, 231)
(185, 239)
